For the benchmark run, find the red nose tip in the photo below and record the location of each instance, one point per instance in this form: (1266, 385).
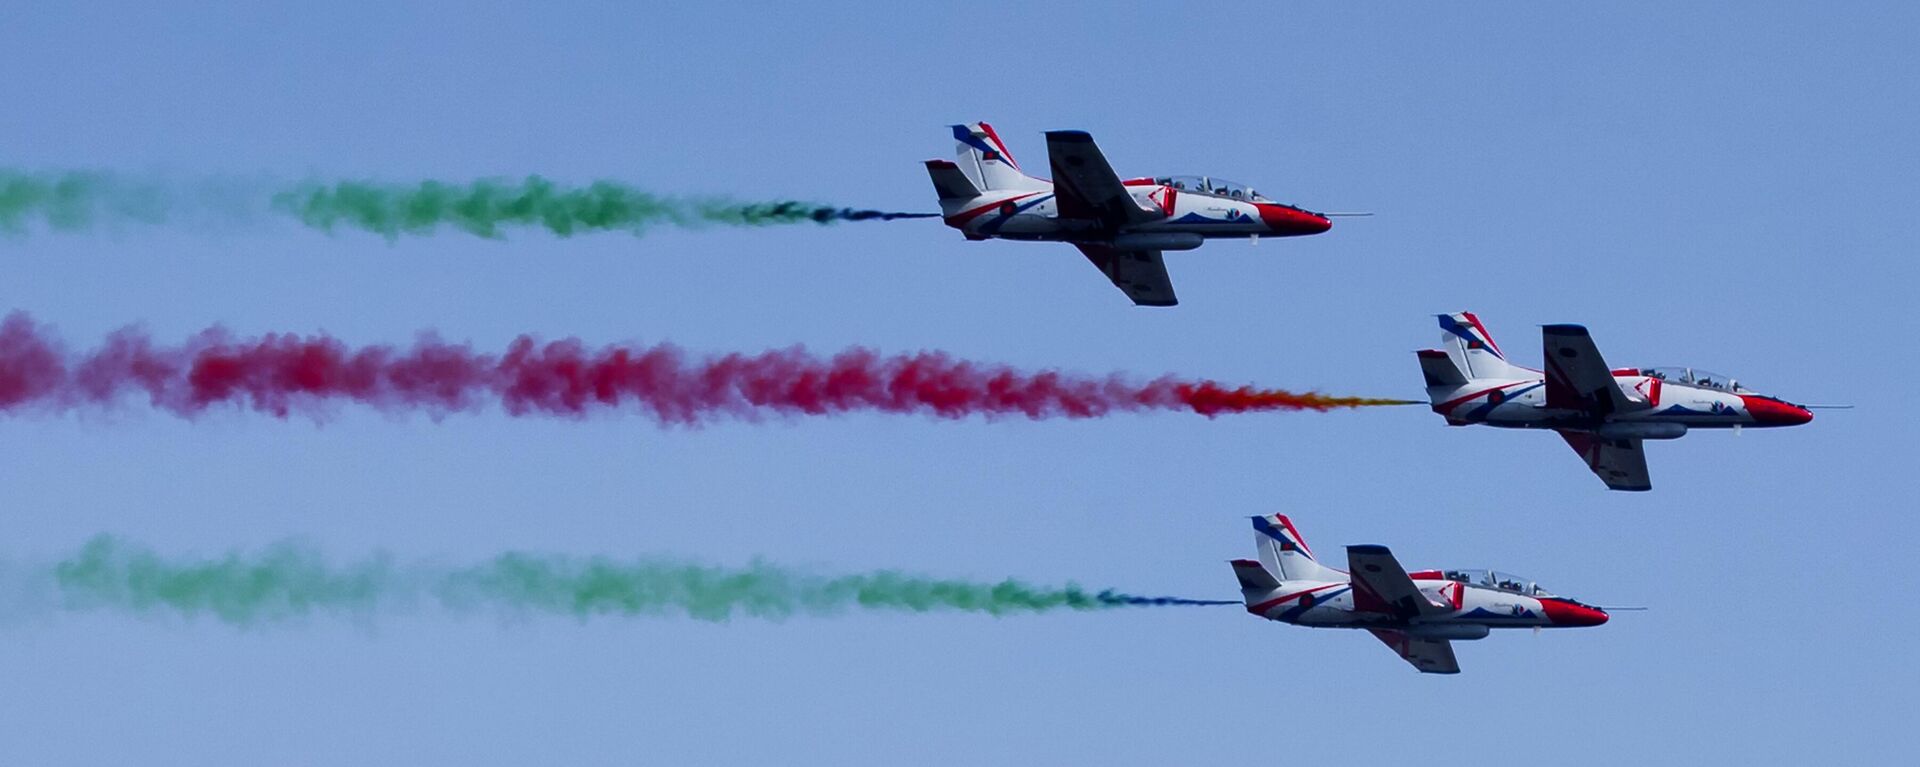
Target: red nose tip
(1285, 221)
(1564, 613)
(1767, 411)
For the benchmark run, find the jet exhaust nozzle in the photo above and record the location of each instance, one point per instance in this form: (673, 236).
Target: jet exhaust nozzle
(1465, 631)
(1641, 431)
(1158, 241)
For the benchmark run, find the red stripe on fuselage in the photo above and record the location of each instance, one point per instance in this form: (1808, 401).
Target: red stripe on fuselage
(1449, 404)
(1263, 607)
(961, 218)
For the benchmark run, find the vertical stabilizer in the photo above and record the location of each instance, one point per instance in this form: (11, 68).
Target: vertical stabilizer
(1284, 552)
(986, 161)
(1472, 349)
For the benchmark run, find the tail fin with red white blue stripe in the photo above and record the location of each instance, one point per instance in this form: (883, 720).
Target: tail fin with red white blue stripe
(1472, 349)
(984, 158)
(1284, 552)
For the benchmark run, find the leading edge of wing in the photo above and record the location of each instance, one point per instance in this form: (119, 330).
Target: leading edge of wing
(1577, 376)
(1382, 585)
(1085, 184)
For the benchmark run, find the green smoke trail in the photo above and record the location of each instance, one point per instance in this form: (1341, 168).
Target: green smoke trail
(484, 207)
(77, 201)
(288, 581)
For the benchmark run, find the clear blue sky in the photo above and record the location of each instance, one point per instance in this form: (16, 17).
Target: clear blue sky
(1728, 187)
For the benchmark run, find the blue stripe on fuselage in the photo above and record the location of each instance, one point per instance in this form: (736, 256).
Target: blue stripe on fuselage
(1000, 219)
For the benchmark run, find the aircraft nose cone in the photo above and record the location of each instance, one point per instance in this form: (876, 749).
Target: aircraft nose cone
(1767, 411)
(1286, 221)
(1564, 613)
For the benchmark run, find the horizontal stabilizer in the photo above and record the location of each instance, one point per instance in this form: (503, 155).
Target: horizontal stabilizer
(950, 182)
(1440, 369)
(1254, 576)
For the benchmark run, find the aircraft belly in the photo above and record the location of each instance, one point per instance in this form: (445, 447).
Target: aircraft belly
(1520, 415)
(1223, 228)
(1330, 617)
(1023, 224)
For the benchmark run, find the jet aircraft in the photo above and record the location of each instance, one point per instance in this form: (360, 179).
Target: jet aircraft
(1122, 226)
(1417, 614)
(1603, 413)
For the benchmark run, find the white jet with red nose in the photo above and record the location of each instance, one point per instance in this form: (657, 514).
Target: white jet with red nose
(1604, 413)
(1416, 614)
(1121, 225)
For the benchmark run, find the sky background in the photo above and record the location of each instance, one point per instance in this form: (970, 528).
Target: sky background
(1726, 187)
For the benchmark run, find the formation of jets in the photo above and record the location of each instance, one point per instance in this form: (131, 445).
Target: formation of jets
(1606, 414)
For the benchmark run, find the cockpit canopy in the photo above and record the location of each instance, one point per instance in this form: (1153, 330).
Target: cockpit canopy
(1217, 187)
(1499, 581)
(1695, 377)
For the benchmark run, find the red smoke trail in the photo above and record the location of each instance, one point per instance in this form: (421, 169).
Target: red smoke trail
(279, 374)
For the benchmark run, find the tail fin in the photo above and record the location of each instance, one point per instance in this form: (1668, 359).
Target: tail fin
(950, 182)
(1472, 350)
(1284, 552)
(986, 161)
(1440, 369)
(1254, 577)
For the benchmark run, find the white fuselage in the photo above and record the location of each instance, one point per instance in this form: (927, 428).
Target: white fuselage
(1330, 604)
(1661, 409)
(1035, 215)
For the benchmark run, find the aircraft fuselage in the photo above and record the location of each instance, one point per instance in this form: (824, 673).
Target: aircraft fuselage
(1187, 219)
(1666, 410)
(1475, 609)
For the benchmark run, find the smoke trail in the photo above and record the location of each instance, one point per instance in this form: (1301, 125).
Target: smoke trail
(278, 374)
(75, 201)
(288, 581)
(484, 207)
(78, 201)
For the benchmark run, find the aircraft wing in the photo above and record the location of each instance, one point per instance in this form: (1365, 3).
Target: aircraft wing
(1381, 585)
(1577, 376)
(1621, 463)
(1430, 656)
(1085, 186)
(1141, 274)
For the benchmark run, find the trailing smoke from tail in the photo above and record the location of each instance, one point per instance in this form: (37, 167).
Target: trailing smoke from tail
(282, 374)
(485, 207)
(79, 201)
(288, 582)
